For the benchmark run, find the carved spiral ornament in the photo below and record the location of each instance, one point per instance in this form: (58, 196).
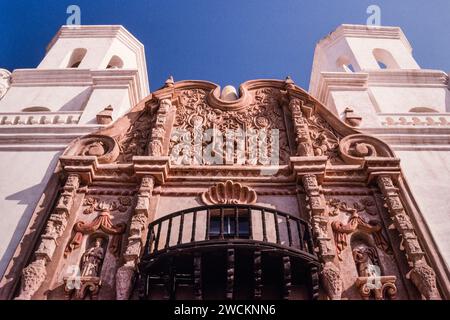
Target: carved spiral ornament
(103, 147)
(354, 148)
(229, 192)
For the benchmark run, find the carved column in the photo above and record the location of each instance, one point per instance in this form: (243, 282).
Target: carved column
(421, 274)
(159, 130)
(34, 274)
(331, 277)
(125, 274)
(302, 137)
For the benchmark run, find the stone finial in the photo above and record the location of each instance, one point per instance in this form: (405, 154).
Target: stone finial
(229, 93)
(105, 116)
(289, 83)
(351, 118)
(169, 82)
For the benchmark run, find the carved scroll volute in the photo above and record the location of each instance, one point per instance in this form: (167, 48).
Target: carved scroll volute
(355, 148)
(34, 274)
(331, 276)
(302, 135)
(103, 147)
(5, 81)
(421, 274)
(158, 139)
(126, 273)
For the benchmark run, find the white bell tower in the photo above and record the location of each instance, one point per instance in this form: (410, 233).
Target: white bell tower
(369, 78)
(85, 70)
(89, 77)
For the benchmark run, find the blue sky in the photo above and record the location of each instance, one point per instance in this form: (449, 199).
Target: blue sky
(226, 42)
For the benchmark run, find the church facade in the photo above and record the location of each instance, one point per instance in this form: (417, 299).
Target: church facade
(193, 192)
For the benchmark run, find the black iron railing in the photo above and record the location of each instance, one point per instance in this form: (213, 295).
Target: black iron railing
(228, 224)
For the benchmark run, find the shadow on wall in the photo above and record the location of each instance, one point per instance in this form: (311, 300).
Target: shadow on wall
(29, 197)
(77, 103)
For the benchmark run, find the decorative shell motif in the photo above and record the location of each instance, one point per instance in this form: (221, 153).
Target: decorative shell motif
(229, 193)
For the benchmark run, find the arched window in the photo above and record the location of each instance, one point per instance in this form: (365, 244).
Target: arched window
(422, 110)
(115, 63)
(381, 65)
(343, 63)
(76, 58)
(36, 109)
(385, 59)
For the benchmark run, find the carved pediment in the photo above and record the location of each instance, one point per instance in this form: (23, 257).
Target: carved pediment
(270, 122)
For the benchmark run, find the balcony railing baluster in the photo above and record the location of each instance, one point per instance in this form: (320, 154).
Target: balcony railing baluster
(169, 230)
(194, 224)
(158, 235)
(300, 235)
(222, 216)
(288, 227)
(250, 221)
(242, 215)
(151, 241)
(208, 221)
(180, 232)
(236, 222)
(263, 218)
(277, 227)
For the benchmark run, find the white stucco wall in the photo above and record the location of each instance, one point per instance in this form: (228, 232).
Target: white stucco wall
(100, 99)
(401, 99)
(55, 98)
(384, 98)
(58, 56)
(359, 101)
(24, 176)
(31, 142)
(428, 175)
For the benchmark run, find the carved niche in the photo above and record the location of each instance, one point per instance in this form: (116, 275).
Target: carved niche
(88, 282)
(99, 234)
(371, 282)
(101, 223)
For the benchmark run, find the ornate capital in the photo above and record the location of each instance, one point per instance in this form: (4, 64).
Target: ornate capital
(332, 281)
(124, 279)
(32, 278)
(424, 278)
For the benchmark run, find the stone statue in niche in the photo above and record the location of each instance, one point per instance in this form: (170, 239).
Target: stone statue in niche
(87, 283)
(370, 281)
(366, 261)
(92, 259)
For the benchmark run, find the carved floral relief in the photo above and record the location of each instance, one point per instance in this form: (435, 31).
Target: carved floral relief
(194, 113)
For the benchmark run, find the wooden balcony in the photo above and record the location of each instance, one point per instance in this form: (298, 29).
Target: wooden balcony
(235, 230)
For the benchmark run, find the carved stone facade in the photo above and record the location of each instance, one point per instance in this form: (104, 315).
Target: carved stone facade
(140, 190)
